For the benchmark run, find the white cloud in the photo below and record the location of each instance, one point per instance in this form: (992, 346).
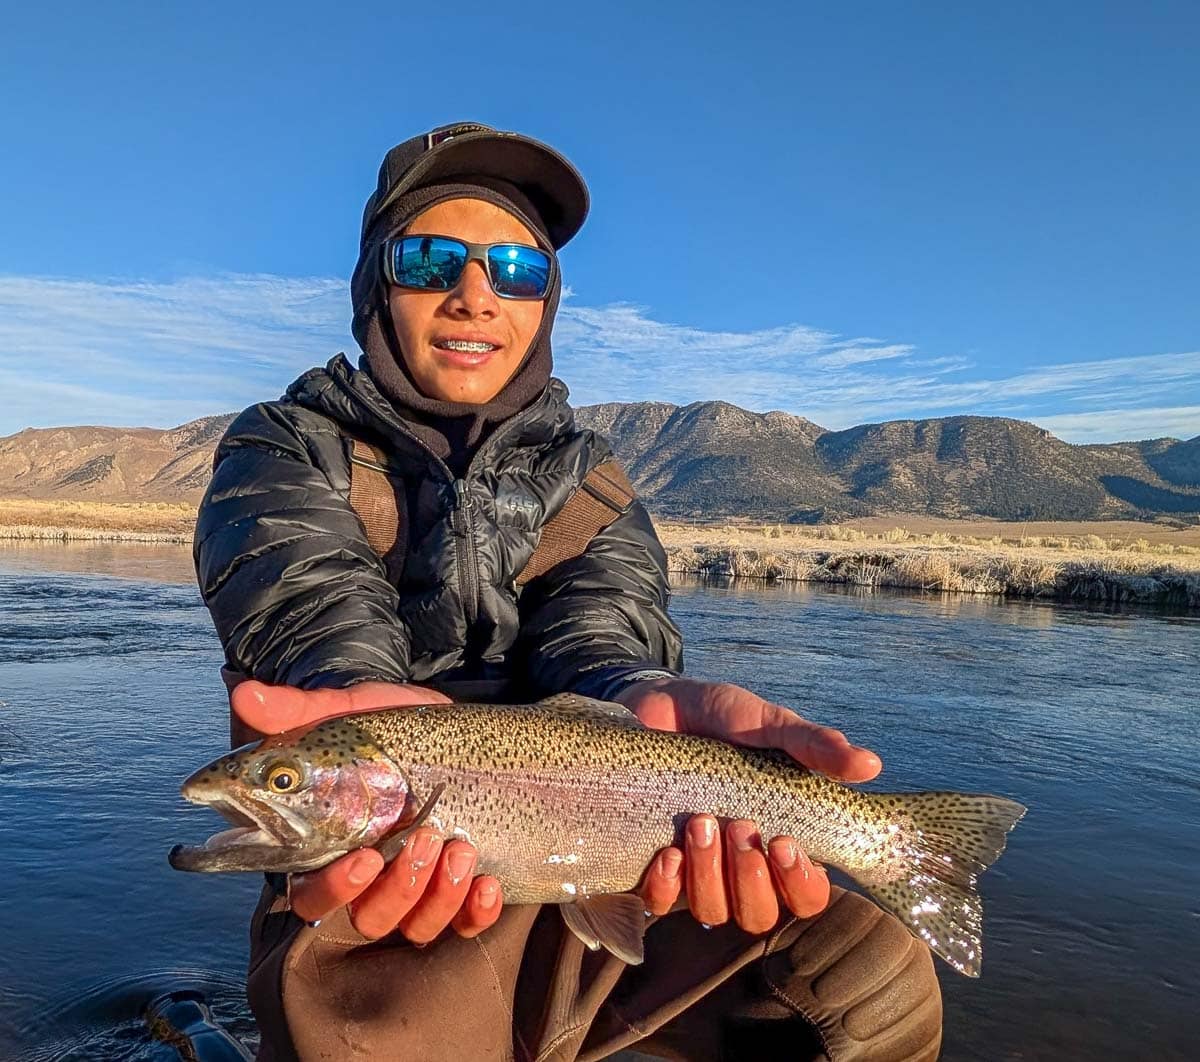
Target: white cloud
(617, 352)
(1106, 425)
(856, 354)
(83, 351)
(142, 352)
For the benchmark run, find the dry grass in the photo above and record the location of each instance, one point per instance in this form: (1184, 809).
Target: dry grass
(28, 519)
(1012, 532)
(1178, 543)
(1078, 565)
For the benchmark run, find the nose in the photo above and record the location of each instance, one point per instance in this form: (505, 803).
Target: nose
(472, 296)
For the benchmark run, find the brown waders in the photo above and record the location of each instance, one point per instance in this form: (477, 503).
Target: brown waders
(849, 984)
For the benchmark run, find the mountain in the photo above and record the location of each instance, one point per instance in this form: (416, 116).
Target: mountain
(713, 460)
(959, 466)
(111, 464)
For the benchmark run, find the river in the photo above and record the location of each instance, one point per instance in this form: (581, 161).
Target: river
(109, 693)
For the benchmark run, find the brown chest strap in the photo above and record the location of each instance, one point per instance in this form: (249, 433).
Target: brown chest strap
(377, 496)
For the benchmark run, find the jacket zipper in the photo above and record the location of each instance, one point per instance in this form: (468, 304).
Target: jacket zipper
(464, 527)
(461, 521)
(464, 545)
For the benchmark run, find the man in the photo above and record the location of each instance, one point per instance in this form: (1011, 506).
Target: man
(330, 610)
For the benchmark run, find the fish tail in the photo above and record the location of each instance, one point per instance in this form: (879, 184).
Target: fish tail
(945, 842)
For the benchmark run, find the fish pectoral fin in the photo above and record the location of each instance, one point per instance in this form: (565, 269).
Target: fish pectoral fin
(615, 921)
(607, 711)
(392, 845)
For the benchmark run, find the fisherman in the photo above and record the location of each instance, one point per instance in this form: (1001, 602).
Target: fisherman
(431, 524)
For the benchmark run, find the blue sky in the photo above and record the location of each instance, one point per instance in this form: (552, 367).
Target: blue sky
(853, 212)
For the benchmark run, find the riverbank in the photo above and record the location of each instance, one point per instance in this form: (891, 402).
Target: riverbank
(31, 520)
(1075, 564)
(1115, 561)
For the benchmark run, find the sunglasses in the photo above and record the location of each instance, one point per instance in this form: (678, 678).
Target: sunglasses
(435, 263)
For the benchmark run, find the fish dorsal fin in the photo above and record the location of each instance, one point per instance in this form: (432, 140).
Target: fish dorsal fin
(589, 707)
(615, 920)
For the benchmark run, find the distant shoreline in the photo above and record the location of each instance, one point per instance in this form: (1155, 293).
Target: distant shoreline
(1074, 563)
(33, 520)
(1121, 562)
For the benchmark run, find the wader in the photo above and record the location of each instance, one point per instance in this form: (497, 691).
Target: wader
(850, 984)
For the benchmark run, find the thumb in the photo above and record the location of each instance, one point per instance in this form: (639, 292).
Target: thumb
(274, 709)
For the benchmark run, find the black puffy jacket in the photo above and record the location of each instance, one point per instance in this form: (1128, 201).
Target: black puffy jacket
(299, 597)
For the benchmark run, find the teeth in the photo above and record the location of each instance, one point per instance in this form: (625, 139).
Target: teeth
(465, 347)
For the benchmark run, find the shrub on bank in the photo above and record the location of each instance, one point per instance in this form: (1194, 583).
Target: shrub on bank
(1115, 578)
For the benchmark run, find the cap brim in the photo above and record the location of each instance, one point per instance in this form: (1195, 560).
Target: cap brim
(549, 180)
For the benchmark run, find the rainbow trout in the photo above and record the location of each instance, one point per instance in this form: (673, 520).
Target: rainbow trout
(568, 800)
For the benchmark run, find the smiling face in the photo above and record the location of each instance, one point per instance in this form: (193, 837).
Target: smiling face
(464, 345)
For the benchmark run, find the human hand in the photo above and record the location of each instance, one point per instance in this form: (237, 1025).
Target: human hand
(740, 878)
(429, 885)
(731, 713)
(259, 709)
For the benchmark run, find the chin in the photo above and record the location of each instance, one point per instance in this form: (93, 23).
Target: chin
(469, 394)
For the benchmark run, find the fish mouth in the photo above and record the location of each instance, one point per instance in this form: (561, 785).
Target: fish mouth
(263, 836)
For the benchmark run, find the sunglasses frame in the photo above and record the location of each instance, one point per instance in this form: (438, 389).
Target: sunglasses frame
(476, 252)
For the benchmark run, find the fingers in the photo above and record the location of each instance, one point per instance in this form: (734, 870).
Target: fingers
(399, 889)
(315, 894)
(482, 908)
(444, 895)
(732, 713)
(803, 884)
(820, 748)
(663, 882)
(273, 709)
(704, 876)
(427, 887)
(368, 695)
(751, 890)
(738, 879)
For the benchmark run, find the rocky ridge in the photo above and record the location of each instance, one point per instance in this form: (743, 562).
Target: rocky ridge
(713, 460)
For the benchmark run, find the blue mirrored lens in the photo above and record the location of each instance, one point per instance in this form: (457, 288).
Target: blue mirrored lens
(435, 263)
(518, 272)
(429, 262)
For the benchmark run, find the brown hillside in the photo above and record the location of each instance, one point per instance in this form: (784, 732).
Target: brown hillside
(110, 464)
(714, 461)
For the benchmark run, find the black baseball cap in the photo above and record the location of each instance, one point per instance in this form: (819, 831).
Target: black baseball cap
(468, 149)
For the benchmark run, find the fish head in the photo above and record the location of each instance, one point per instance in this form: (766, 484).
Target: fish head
(297, 800)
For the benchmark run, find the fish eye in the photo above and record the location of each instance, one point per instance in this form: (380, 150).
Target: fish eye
(283, 778)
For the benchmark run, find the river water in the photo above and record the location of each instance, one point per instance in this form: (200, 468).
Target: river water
(1092, 927)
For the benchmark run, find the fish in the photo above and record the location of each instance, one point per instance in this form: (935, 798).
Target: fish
(567, 801)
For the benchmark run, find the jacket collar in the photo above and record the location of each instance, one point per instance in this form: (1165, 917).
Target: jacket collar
(350, 397)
